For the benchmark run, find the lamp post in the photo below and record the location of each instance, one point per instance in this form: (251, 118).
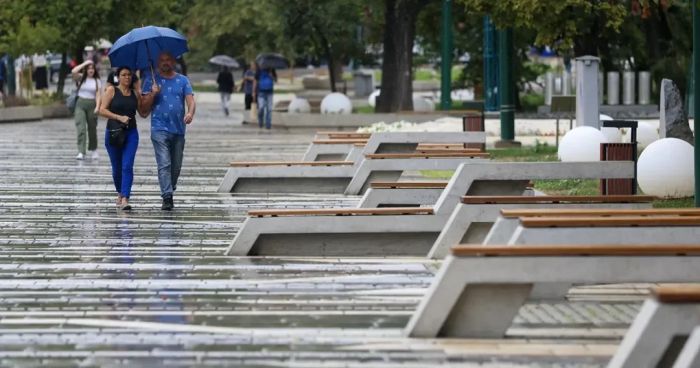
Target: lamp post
(446, 56)
(506, 88)
(696, 96)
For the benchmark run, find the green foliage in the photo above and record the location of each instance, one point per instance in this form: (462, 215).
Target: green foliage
(531, 101)
(559, 23)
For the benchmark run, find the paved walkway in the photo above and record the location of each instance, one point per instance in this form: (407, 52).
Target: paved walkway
(82, 284)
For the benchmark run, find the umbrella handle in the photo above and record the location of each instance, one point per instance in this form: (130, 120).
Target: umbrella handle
(150, 63)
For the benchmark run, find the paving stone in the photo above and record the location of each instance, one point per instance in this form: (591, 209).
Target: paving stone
(82, 284)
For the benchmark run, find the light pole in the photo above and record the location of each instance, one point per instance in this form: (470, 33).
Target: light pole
(446, 56)
(696, 96)
(506, 88)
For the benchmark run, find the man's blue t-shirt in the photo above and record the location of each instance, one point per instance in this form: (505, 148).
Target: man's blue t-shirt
(169, 105)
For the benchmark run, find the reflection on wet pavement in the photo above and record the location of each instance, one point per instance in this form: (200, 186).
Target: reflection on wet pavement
(83, 284)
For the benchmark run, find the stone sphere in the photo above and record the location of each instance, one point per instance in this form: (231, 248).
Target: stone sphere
(299, 106)
(336, 103)
(612, 135)
(422, 104)
(581, 144)
(372, 99)
(646, 135)
(665, 169)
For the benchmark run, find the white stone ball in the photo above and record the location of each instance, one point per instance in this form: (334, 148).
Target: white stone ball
(422, 104)
(581, 144)
(299, 106)
(665, 169)
(372, 99)
(336, 103)
(612, 135)
(646, 135)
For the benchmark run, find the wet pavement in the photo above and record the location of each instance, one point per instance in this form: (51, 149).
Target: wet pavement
(82, 284)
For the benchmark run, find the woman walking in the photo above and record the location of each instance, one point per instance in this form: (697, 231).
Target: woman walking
(119, 106)
(248, 89)
(89, 95)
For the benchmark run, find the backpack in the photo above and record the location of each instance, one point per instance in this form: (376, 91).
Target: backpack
(265, 83)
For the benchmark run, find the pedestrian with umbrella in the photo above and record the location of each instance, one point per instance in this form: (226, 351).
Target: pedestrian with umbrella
(164, 95)
(224, 79)
(264, 85)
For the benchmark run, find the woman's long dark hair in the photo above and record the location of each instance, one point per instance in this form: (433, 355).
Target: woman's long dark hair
(85, 73)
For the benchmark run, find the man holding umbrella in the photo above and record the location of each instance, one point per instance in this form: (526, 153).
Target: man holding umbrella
(165, 96)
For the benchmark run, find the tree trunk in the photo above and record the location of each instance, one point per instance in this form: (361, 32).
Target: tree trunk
(331, 60)
(397, 68)
(62, 74)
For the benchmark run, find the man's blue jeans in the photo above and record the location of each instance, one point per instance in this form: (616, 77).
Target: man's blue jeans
(169, 149)
(265, 109)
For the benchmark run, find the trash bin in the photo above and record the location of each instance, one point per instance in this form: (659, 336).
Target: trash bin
(364, 83)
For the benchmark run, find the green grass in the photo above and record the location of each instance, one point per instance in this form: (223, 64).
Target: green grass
(363, 110)
(675, 203)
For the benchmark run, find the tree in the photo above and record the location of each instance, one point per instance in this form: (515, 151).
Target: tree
(565, 24)
(327, 29)
(397, 66)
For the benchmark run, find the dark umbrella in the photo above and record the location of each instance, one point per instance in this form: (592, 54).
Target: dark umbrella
(225, 60)
(271, 60)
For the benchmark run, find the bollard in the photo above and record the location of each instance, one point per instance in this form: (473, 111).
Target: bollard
(587, 107)
(548, 88)
(613, 88)
(628, 88)
(601, 83)
(565, 83)
(644, 88)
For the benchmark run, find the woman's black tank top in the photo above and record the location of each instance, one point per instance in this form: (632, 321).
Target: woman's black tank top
(124, 105)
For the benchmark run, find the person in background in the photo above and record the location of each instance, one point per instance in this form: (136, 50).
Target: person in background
(248, 85)
(3, 76)
(86, 108)
(119, 105)
(166, 95)
(226, 84)
(264, 88)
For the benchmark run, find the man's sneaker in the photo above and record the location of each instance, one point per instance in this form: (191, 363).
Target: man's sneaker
(80, 156)
(94, 155)
(167, 204)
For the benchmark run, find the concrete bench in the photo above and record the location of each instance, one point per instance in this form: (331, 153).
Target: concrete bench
(675, 226)
(473, 217)
(509, 220)
(497, 174)
(397, 235)
(666, 332)
(354, 178)
(479, 289)
(384, 142)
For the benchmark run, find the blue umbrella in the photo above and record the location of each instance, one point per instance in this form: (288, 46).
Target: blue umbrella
(138, 48)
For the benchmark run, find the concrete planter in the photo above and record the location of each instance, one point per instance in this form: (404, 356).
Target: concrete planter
(21, 113)
(55, 112)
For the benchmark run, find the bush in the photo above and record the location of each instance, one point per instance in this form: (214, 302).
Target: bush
(15, 101)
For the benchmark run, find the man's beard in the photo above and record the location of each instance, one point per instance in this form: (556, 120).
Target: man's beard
(166, 68)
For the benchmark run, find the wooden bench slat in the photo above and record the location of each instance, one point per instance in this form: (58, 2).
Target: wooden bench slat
(343, 211)
(291, 163)
(441, 146)
(677, 294)
(466, 250)
(380, 156)
(597, 212)
(646, 221)
(332, 134)
(339, 141)
(556, 199)
(409, 184)
(433, 151)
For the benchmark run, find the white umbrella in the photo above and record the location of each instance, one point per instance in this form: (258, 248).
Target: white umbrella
(225, 60)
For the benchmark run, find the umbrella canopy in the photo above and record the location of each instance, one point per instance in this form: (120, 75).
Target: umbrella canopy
(225, 60)
(271, 60)
(139, 48)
